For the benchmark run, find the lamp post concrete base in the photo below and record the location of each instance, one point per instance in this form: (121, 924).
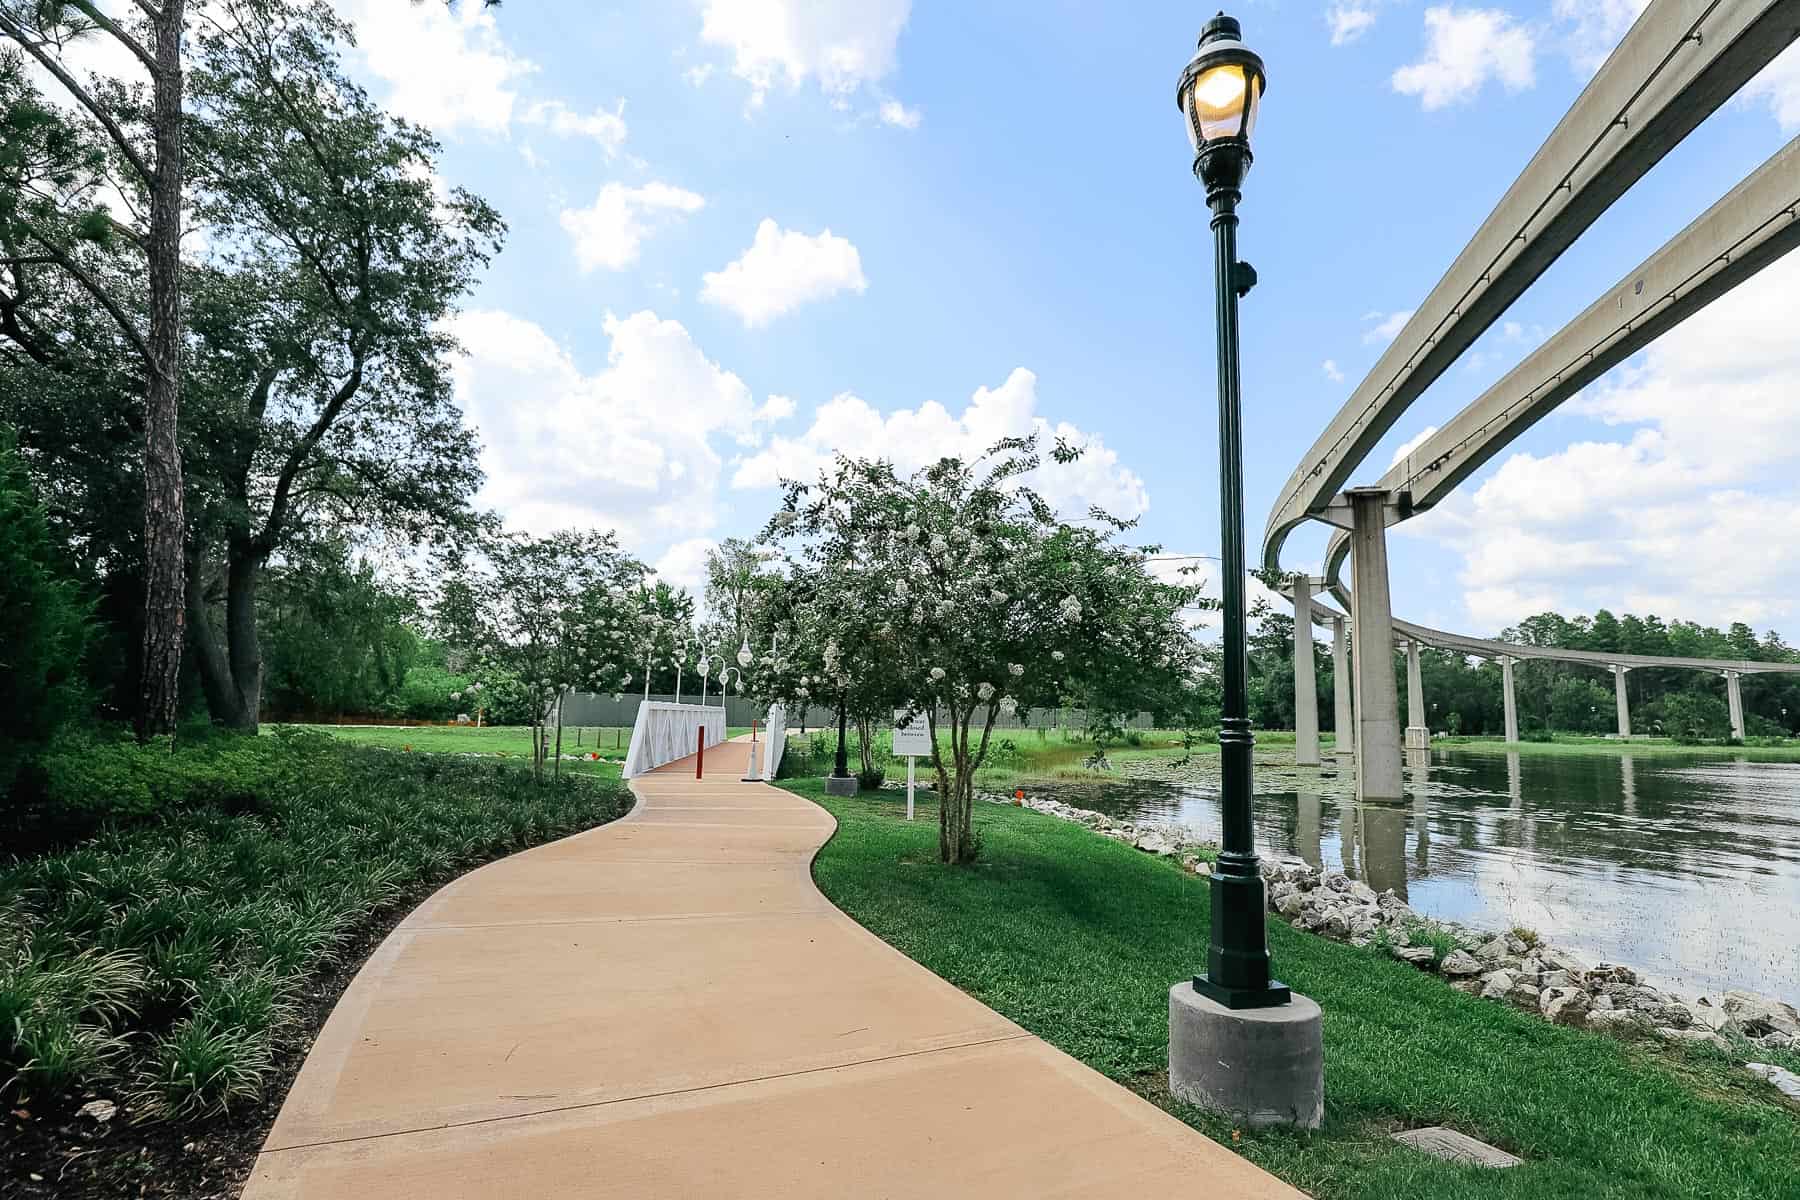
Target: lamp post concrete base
(1263, 1066)
(840, 785)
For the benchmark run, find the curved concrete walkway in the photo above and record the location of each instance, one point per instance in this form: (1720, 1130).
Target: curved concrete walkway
(667, 1007)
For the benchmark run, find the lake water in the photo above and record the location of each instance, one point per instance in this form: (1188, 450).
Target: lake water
(1685, 868)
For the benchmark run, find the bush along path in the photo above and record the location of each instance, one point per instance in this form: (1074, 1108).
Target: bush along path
(161, 981)
(1078, 938)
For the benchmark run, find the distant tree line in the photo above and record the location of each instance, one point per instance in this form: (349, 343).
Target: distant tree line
(1463, 695)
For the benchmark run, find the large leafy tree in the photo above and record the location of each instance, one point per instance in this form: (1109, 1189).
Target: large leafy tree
(319, 327)
(142, 138)
(318, 395)
(961, 590)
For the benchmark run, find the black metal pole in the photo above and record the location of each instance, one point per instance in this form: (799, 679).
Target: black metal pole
(1237, 960)
(842, 770)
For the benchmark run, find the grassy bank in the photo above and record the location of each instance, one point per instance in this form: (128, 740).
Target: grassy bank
(1759, 750)
(178, 966)
(1078, 939)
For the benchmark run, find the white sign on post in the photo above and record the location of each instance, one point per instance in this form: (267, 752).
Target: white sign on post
(912, 738)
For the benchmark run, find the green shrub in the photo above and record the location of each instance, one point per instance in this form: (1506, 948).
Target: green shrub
(44, 627)
(160, 958)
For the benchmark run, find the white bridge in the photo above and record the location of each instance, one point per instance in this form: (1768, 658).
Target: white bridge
(1680, 62)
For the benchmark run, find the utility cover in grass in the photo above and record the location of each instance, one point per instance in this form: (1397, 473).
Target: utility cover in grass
(1457, 1147)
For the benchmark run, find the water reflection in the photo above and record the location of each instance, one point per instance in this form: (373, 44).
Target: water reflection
(1686, 868)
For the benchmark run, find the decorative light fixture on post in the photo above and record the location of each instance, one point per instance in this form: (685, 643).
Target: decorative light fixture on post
(705, 666)
(1239, 1041)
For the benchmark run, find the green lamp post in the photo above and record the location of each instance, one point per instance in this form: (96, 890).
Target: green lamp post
(1220, 91)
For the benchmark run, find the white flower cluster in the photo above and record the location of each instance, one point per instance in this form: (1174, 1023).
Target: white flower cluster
(937, 674)
(986, 692)
(1015, 669)
(1070, 608)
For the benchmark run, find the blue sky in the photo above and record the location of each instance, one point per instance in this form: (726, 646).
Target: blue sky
(748, 232)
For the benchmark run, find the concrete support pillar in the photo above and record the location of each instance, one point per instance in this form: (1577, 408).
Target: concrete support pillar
(1341, 687)
(1377, 707)
(1734, 696)
(1624, 705)
(1509, 700)
(1306, 680)
(1418, 735)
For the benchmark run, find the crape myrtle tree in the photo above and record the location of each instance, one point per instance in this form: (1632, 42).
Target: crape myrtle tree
(975, 599)
(664, 639)
(558, 613)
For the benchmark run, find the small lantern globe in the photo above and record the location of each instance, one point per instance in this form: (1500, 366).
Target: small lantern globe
(1220, 91)
(744, 655)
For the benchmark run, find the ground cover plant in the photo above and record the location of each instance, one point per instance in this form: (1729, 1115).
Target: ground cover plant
(1078, 939)
(177, 966)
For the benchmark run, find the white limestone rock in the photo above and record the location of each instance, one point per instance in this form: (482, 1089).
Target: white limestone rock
(1459, 964)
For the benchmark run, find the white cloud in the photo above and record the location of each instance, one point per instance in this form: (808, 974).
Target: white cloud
(843, 44)
(1349, 21)
(783, 270)
(683, 564)
(1778, 85)
(1387, 326)
(895, 113)
(447, 67)
(1687, 514)
(604, 126)
(1332, 372)
(697, 76)
(609, 233)
(913, 438)
(1411, 444)
(1464, 48)
(1593, 28)
(631, 447)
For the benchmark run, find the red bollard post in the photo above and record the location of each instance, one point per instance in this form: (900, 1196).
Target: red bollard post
(700, 759)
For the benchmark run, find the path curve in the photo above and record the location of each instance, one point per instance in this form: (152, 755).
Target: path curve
(666, 1006)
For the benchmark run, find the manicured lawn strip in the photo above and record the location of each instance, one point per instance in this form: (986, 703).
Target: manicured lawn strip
(180, 966)
(1078, 939)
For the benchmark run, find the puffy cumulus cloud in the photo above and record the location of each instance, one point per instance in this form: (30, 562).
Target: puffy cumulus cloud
(894, 113)
(1688, 513)
(683, 564)
(1387, 326)
(631, 447)
(1407, 447)
(1591, 28)
(1349, 21)
(913, 438)
(610, 232)
(783, 270)
(1332, 371)
(1202, 571)
(843, 44)
(446, 66)
(1778, 86)
(1464, 49)
(605, 126)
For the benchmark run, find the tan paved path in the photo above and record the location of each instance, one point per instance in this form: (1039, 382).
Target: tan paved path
(667, 1007)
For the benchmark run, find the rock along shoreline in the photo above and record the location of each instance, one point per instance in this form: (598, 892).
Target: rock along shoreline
(1512, 967)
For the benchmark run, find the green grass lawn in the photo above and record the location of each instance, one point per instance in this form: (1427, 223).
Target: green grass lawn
(512, 741)
(1078, 938)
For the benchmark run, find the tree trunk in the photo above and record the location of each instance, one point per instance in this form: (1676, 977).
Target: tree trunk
(865, 736)
(557, 773)
(230, 675)
(164, 521)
